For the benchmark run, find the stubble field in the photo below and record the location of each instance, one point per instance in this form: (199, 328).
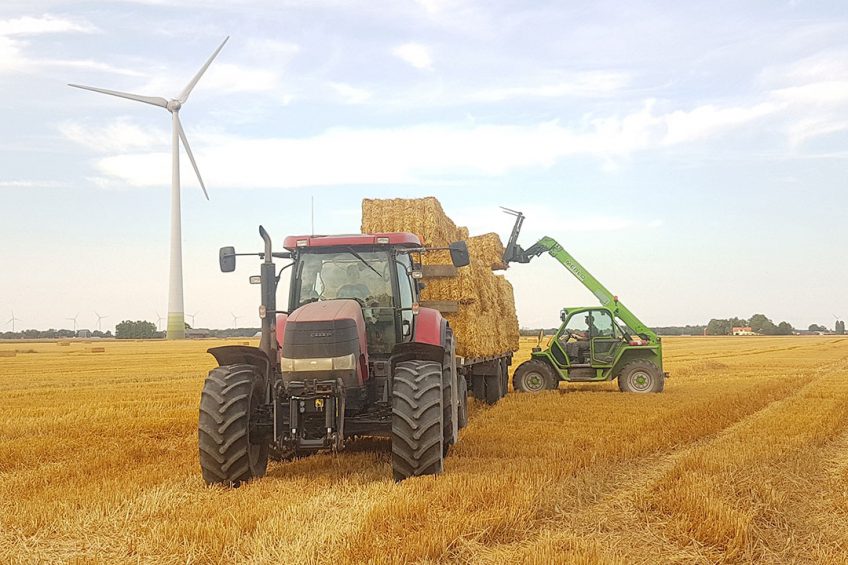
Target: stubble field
(744, 457)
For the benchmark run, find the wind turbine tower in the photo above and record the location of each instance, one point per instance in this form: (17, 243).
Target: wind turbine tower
(99, 317)
(74, 319)
(12, 321)
(176, 310)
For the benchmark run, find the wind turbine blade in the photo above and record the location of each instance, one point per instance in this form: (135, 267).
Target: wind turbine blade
(155, 100)
(184, 139)
(187, 90)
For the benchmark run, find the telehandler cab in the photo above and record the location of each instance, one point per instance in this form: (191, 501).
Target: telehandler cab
(594, 343)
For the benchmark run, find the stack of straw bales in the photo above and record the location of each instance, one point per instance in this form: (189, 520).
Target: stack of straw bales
(486, 324)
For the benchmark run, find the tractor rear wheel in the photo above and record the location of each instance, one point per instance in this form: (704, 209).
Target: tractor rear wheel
(417, 414)
(534, 376)
(229, 454)
(449, 395)
(641, 376)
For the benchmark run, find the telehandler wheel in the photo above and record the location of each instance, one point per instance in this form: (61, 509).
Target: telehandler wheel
(534, 376)
(641, 376)
(462, 409)
(417, 432)
(228, 453)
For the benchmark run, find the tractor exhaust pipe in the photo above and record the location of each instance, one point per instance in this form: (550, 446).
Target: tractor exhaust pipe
(268, 308)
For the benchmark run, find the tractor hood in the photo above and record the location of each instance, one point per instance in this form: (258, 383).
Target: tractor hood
(325, 331)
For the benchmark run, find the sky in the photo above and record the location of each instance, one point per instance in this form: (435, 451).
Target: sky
(692, 155)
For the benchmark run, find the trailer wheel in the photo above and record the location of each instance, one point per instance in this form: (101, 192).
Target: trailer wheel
(462, 409)
(229, 454)
(641, 376)
(417, 414)
(533, 376)
(494, 390)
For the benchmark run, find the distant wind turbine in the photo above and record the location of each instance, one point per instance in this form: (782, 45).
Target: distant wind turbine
(12, 321)
(192, 318)
(99, 317)
(176, 314)
(74, 319)
(235, 320)
(158, 321)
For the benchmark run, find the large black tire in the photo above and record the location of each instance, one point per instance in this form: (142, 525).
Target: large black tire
(449, 400)
(228, 453)
(462, 409)
(641, 376)
(417, 432)
(534, 376)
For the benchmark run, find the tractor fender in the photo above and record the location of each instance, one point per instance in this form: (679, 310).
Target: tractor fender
(428, 339)
(244, 354)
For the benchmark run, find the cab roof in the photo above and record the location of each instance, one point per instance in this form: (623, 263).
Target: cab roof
(395, 239)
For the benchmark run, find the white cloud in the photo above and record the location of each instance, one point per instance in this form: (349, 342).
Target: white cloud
(591, 83)
(32, 184)
(350, 94)
(415, 54)
(28, 25)
(415, 154)
(118, 136)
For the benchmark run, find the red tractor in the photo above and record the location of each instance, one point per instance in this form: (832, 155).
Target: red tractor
(352, 355)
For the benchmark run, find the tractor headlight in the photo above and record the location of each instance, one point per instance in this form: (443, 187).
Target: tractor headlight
(341, 363)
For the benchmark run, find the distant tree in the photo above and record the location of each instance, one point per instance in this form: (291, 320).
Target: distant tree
(817, 328)
(718, 327)
(762, 325)
(139, 329)
(784, 328)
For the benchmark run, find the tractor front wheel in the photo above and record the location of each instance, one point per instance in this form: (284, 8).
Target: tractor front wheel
(417, 433)
(641, 376)
(229, 454)
(534, 376)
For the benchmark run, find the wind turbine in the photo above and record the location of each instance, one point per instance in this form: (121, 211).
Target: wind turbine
(99, 317)
(235, 320)
(158, 321)
(192, 318)
(12, 321)
(176, 314)
(75, 321)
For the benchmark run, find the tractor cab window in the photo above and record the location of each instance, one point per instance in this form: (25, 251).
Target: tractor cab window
(363, 276)
(406, 296)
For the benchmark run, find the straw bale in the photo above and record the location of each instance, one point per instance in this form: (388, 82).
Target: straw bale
(63, 343)
(489, 249)
(97, 349)
(486, 324)
(8, 353)
(422, 216)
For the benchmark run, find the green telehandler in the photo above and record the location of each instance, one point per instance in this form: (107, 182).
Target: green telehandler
(594, 343)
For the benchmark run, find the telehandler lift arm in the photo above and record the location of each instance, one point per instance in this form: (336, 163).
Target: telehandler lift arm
(514, 253)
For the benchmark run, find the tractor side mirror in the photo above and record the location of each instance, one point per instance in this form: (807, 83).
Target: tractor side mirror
(459, 254)
(227, 259)
(563, 314)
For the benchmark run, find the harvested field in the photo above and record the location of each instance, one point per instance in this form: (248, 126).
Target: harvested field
(743, 458)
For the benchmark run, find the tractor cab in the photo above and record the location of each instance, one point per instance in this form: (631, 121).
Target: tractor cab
(374, 270)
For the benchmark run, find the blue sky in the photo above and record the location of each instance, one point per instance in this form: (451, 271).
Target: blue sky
(694, 156)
